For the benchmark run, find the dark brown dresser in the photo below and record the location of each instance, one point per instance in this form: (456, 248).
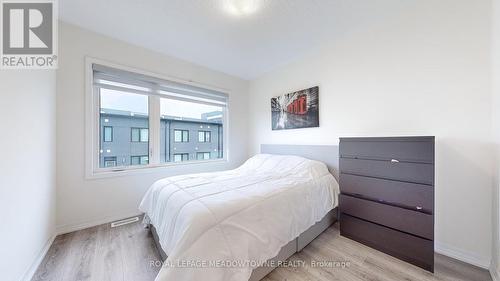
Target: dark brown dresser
(387, 196)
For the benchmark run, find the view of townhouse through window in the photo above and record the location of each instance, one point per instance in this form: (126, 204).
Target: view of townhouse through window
(128, 116)
(182, 123)
(190, 130)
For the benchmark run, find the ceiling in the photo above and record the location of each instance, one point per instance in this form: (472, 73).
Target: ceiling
(202, 32)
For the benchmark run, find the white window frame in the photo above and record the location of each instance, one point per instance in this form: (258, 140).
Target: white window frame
(92, 128)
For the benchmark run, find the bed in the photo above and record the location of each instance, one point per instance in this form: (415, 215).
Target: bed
(235, 225)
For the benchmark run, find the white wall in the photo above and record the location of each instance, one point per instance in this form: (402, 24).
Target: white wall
(419, 71)
(27, 171)
(83, 202)
(496, 135)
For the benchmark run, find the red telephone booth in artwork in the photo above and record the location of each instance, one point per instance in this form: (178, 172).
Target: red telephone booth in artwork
(298, 106)
(301, 104)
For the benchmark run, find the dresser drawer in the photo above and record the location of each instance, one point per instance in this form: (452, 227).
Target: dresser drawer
(416, 150)
(412, 222)
(401, 171)
(409, 248)
(409, 195)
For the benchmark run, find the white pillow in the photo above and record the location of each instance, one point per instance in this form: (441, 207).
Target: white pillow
(286, 165)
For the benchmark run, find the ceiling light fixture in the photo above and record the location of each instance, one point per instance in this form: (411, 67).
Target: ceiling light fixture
(241, 7)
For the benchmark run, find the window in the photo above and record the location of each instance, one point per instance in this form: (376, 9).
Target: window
(179, 157)
(181, 136)
(180, 117)
(125, 111)
(139, 135)
(203, 155)
(203, 136)
(139, 160)
(109, 161)
(140, 119)
(108, 134)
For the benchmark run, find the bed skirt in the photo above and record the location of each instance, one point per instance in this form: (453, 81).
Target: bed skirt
(286, 251)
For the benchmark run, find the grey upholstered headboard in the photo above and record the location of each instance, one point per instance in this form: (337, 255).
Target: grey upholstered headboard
(328, 154)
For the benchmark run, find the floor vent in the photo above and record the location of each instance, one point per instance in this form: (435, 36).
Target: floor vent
(124, 222)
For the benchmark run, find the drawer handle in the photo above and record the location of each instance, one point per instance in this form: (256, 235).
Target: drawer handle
(419, 208)
(394, 161)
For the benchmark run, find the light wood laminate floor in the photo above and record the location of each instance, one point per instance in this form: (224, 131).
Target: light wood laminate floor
(124, 253)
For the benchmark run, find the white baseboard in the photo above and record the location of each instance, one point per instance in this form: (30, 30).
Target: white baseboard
(62, 229)
(28, 275)
(461, 255)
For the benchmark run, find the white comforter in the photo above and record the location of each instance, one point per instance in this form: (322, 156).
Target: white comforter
(219, 226)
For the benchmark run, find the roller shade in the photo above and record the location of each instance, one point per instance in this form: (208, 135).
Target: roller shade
(121, 80)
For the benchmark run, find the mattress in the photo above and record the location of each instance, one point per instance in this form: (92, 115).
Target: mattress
(222, 225)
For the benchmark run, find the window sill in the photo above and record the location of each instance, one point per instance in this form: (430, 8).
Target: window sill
(128, 171)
